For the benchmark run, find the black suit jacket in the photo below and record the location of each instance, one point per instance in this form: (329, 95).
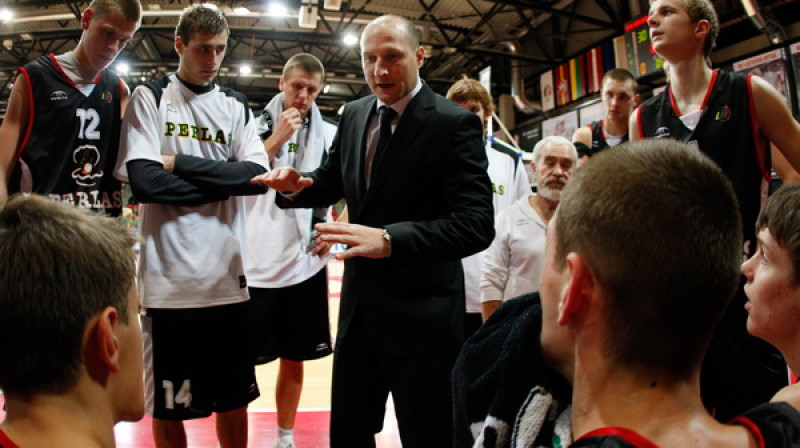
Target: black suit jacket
(431, 191)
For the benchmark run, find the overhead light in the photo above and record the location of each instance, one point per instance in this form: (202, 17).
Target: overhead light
(6, 15)
(241, 11)
(333, 4)
(245, 69)
(350, 39)
(8, 44)
(326, 89)
(277, 9)
(122, 68)
(307, 17)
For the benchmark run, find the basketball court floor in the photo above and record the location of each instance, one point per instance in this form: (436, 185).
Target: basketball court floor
(311, 427)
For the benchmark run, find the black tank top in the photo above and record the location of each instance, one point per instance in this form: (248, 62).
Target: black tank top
(599, 142)
(727, 133)
(70, 147)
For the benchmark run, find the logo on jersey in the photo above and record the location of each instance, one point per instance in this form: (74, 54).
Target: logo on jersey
(196, 132)
(86, 157)
(58, 95)
(106, 97)
(662, 132)
(723, 114)
(292, 147)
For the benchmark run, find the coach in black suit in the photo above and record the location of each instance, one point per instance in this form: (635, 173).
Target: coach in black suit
(417, 206)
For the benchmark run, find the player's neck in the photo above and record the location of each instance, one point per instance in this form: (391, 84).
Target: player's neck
(57, 421)
(615, 128)
(666, 413)
(689, 82)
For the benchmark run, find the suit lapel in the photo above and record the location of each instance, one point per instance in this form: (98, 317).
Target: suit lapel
(408, 129)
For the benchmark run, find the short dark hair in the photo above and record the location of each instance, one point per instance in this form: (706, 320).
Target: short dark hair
(663, 236)
(621, 75)
(61, 266)
(781, 215)
(200, 18)
(306, 62)
(131, 10)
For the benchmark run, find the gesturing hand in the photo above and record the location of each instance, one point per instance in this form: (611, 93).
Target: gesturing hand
(363, 241)
(285, 180)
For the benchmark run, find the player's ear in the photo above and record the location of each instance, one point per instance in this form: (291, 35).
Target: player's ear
(106, 339)
(580, 288)
(86, 18)
(179, 45)
(702, 28)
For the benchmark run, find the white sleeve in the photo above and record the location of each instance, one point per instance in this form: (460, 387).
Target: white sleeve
(140, 135)
(494, 272)
(247, 144)
(522, 185)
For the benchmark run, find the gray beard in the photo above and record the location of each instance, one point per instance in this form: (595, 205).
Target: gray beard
(551, 194)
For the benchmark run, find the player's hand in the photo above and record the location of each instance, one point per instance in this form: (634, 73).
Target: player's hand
(289, 122)
(319, 247)
(284, 180)
(169, 163)
(363, 241)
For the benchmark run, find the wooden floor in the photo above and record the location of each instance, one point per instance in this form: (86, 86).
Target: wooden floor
(311, 428)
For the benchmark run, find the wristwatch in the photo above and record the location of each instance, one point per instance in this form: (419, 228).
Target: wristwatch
(388, 238)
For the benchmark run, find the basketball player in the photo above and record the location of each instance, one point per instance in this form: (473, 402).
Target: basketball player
(731, 117)
(60, 134)
(187, 146)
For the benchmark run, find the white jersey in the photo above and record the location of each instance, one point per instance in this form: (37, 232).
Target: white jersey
(191, 256)
(509, 184)
(514, 261)
(276, 239)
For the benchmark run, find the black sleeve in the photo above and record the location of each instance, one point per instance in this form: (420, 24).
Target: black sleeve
(151, 184)
(231, 177)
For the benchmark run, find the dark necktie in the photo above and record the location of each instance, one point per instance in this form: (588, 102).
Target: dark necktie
(385, 115)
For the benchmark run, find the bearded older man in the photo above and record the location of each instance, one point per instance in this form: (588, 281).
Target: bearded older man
(513, 263)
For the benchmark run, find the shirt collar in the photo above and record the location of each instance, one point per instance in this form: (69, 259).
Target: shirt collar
(400, 105)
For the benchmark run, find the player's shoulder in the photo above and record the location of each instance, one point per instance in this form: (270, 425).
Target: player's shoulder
(504, 148)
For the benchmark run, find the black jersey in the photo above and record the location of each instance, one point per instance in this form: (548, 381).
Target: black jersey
(70, 146)
(773, 425)
(739, 370)
(727, 133)
(599, 142)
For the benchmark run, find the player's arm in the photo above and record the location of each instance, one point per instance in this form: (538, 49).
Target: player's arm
(12, 131)
(124, 96)
(776, 121)
(583, 135)
(230, 177)
(141, 163)
(782, 167)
